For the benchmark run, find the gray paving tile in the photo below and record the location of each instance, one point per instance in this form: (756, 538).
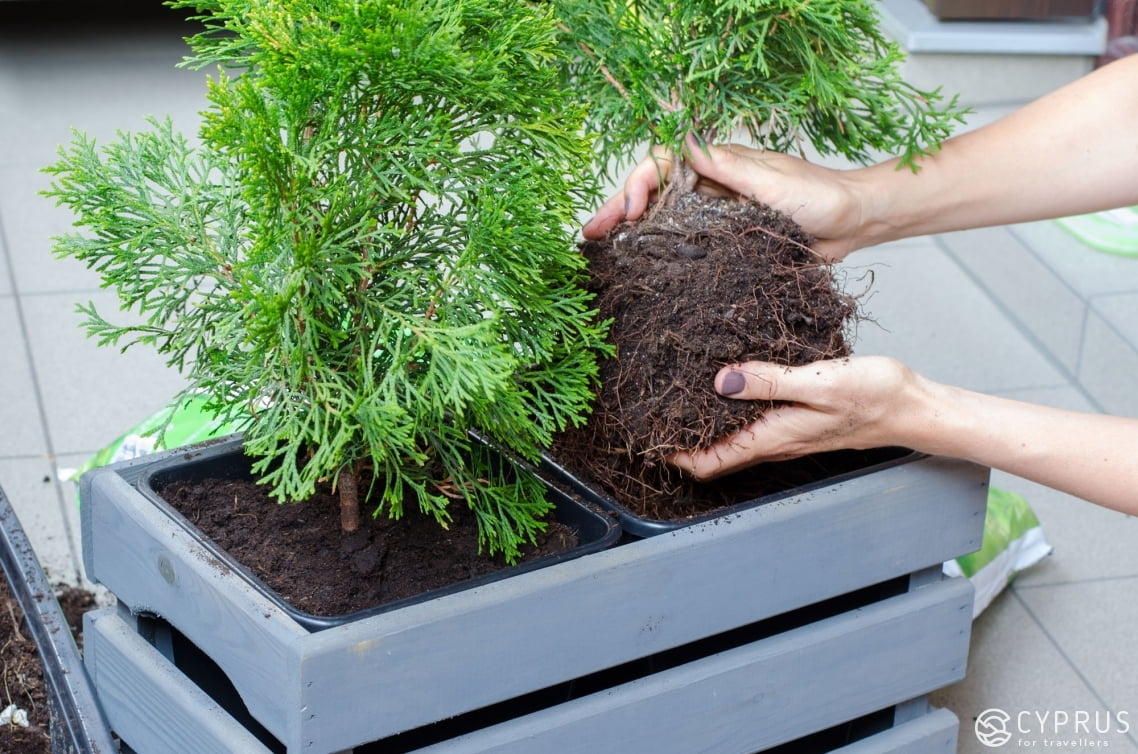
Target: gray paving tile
(22, 431)
(65, 465)
(100, 104)
(5, 272)
(30, 484)
(1042, 302)
(97, 79)
(930, 315)
(994, 79)
(1013, 666)
(9, 83)
(1092, 623)
(30, 221)
(1120, 311)
(92, 394)
(1107, 366)
(1086, 270)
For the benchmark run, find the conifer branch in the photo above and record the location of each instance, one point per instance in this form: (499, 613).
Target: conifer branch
(783, 71)
(370, 253)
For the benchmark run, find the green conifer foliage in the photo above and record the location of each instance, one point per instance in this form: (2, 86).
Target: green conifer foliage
(781, 71)
(367, 251)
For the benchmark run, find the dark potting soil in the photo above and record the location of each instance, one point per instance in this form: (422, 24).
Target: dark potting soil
(689, 289)
(22, 682)
(299, 551)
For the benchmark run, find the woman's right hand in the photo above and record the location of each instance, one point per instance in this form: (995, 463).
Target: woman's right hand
(829, 204)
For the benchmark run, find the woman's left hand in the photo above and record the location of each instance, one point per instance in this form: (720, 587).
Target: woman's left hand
(859, 402)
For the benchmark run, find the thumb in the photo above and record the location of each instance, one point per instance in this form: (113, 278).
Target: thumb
(763, 381)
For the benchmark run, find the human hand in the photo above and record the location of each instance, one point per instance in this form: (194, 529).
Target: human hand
(827, 203)
(855, 403)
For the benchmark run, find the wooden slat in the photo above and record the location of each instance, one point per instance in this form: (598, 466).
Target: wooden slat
(152, 706)
(1011, 10)
(152, 565)
(933, 733)
(762, 694)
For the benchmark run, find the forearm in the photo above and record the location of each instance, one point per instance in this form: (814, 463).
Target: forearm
(1091, 456)
(1070, 152)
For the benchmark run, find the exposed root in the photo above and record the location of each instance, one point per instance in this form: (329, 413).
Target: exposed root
(698, 285)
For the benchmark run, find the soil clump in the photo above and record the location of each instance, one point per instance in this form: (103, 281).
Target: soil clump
(690, 288)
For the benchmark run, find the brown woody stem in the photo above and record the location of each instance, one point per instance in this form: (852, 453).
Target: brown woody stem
(349, 487)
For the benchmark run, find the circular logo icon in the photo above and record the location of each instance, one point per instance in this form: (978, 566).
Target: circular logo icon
(992, 727)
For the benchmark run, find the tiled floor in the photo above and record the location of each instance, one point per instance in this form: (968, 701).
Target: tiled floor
(1025, 312)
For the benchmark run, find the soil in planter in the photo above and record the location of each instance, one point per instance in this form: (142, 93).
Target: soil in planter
(299, 551)
(695, 286)
(22, 681)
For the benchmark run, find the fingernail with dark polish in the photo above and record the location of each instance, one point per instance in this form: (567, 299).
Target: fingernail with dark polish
(733, 383)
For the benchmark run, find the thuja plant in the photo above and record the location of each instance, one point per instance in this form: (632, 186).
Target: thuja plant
(367, 250)
(700, 282)
(783, 72)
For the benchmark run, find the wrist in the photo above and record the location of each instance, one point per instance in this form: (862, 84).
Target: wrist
(930, 417)
(895, 202)
(958, 424)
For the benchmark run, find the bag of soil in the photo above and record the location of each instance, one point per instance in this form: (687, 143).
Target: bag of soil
(181, 423)
(1013, 542)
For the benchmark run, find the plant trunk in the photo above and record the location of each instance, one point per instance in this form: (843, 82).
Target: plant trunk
(682, 180)
(349, 488)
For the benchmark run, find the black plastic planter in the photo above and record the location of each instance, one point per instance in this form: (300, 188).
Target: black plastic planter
(224, 460)
(77, 723)
(836, 468)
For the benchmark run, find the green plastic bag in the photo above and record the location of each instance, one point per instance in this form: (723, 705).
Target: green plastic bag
(1013, 542)
(182, 423)
(1114, 231)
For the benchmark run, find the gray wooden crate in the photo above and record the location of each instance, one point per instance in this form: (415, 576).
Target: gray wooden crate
(340, 687)
(742, 700)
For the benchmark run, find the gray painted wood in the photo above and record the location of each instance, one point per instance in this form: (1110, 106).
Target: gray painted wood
(742, 700)
(148, 702)
(409, 667)
(152, 565)
(762, 694)
(933, 733)
(910, 710)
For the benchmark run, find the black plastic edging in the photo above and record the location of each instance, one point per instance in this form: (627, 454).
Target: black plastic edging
(77, 722)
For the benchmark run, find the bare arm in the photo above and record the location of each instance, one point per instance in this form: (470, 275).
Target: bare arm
(869, 402)
(1070, 152)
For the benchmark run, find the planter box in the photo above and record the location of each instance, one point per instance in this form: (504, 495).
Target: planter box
(746, 630)
(1005, 10)
(77, 723)
(841, 466)
(764, 693)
